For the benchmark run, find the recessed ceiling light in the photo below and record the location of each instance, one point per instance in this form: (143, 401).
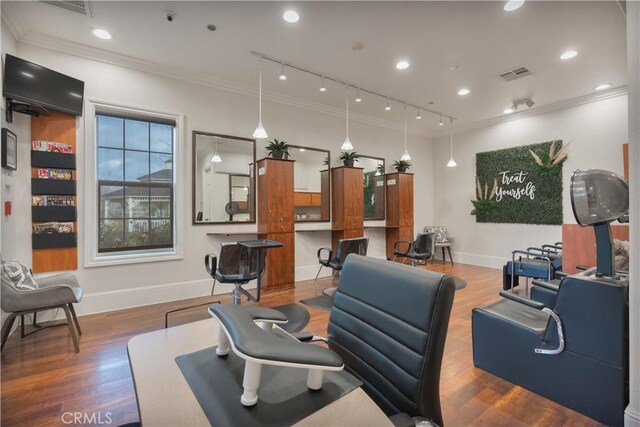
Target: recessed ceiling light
(101, 34)
(569, 54)
(512, 5)
(508, 111)
(602, 86)
(291, 16)
(463, 92)
(402, 65)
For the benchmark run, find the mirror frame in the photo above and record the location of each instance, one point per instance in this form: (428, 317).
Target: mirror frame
(328, 152)
(252, 179)
(384, 162)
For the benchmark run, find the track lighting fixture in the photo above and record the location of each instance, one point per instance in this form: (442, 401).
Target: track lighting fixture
(451, 163)
(347, 145)
(405, 156)
(323, 88)
(440, 124)
(260, 132)
(358, 97)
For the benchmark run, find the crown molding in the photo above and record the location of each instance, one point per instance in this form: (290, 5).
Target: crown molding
(75, 49)
(13, 20)
(543, 109)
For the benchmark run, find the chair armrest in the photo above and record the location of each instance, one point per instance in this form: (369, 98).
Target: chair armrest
(395, 245)
(546, 285)
(522, 300)
(211, 264)
(561, 274)
(582, 267)
(320, 252)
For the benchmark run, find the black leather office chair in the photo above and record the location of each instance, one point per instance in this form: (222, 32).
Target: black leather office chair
(420, 250)
(357, 245)
(574, 353)
(389, 323)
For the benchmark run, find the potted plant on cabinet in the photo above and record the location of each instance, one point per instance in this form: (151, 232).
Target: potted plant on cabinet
(349, 158)
(278, 149)
(402, 165)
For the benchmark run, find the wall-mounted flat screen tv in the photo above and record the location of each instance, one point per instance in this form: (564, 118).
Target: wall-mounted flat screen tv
(33, 84)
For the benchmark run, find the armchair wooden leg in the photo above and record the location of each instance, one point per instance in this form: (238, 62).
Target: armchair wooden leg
(22, 326)
(444, 259)
(450, 257)
(319, 270)
(6, 328)
(72, 329)
(75, 318)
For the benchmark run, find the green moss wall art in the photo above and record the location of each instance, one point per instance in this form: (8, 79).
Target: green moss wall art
(520, 185)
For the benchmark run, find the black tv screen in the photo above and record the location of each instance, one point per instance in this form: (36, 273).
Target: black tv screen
(39, 86)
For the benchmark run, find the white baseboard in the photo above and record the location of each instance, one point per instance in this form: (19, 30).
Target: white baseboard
(479, 260)
(308, 272)
(631, 417)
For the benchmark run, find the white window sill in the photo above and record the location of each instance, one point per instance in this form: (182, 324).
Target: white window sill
(113, 260)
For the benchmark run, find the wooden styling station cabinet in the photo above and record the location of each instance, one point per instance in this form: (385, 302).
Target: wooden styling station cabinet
(276, 221)
(347, 207)
(399, 209)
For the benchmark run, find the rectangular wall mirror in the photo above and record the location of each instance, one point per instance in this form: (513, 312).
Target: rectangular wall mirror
(223, 178)
(373, 188)
(312, 186)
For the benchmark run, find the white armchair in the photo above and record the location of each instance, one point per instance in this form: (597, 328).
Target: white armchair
(443, 240)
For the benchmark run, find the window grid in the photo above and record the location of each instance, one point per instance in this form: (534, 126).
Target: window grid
(124, 184)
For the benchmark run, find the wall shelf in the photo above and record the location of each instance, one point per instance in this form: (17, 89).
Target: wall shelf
(55, 240)
(53, 213)
(57, 187)
(47, 159)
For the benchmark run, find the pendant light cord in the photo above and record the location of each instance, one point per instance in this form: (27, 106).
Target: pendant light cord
(260, 91)
(405, 128)
(347, 109)
(451, 136)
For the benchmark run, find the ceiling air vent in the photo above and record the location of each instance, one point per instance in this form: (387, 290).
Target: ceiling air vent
(79, 7)
(518, 73)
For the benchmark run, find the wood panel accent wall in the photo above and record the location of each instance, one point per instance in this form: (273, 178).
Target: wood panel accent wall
(57, 127)
(347, 203)
(399, 199)
(276, 221)
(579, 245)
(325, 194)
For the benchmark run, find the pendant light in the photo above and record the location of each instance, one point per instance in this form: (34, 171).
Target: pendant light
(451, 163)
(216, 157)
(260, 131)
(347, 145)
(405, 155)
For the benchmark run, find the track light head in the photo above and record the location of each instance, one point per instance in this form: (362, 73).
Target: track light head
(358, 97)
(387, 107)
(418, 115)
(282, 75)
(323, 88)
(440, 123)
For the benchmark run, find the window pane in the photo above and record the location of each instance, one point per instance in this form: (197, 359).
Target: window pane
(110, 164)
(161, 138)
(160, 203)
(111, 234)
(160, 232)
(136, 135)
(136, 166)
(111, 201)
(110, 131)
(137, 233)
(137, 202)
(161, 168)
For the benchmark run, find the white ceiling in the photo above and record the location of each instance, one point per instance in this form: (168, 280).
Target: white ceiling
(478, 37)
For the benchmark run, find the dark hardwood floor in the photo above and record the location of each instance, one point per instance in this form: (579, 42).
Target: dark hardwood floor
(43, 379)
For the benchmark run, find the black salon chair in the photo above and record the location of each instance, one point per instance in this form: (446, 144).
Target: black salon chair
(418, 251)
(235, 264)
(357, 245)
(574, 353)
(389, 323)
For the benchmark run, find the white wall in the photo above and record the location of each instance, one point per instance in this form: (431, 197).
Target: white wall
(210, 110)
(596, 131)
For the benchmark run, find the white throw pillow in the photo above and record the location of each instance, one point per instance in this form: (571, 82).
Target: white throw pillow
(19, 276)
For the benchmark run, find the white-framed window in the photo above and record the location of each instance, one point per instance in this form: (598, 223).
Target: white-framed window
(132, 189)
